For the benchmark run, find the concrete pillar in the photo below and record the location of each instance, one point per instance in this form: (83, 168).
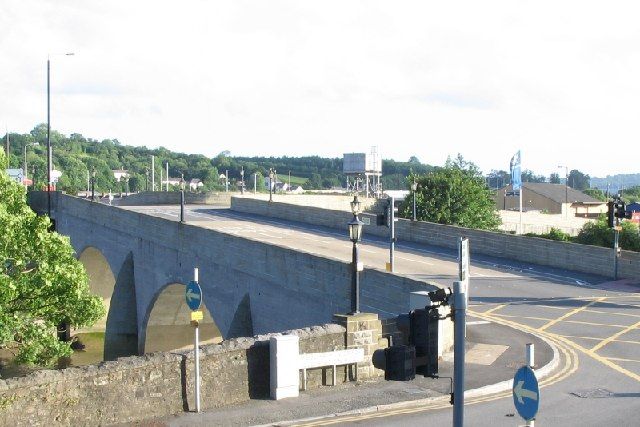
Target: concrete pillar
(364, 330)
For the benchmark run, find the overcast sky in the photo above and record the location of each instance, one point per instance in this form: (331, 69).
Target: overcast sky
(558, 80)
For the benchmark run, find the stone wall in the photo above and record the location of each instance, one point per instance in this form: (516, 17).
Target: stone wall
(173, 198)
(570, 256)
(324, 201)
(155, 385)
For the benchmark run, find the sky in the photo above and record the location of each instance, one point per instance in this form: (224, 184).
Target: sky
(557, 80)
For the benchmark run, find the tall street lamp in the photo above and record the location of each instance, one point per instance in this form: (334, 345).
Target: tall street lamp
(182, 198)
(49, 154)
(271, 174)
(93, 185)
(25, 159)
(414, 187)
(566, 188)
(355, 234)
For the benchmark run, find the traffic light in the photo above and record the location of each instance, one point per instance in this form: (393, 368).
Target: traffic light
(381, 219)
(402, 362)
(399, 362)
(610, 214)
(424, 336)
(621, 211)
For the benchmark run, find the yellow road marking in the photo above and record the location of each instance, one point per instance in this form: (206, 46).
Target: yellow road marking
(496, 308)
(570, 365)
(571, 313)
(614, 336)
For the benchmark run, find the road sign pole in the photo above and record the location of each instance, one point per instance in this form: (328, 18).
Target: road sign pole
(196, 351)
(530, 355)
(459, 325)
(392, 233)
(616, 238)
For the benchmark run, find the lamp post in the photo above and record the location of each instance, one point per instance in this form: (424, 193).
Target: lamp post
(355, 234)
(242, 180)
(271, 173)
(414, 187)
(25, 159)
(49, 154)
(566, 188)
(182, 199)
(93, 185)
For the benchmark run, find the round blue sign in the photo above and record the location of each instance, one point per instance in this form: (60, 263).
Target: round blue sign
(526, 394)
(193, 295)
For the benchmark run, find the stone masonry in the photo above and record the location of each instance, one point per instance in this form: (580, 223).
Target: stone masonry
(363, 330)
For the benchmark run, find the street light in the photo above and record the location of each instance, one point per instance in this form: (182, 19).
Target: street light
(182, 198)
(25, 159)
(566, 188)
(242, 181)
(414, 187)
(355, 235)
(271, 173)
(93, 185)
(49, 154)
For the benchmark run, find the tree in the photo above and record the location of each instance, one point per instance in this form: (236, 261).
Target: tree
(578, 180)
(454, 194)
(554, 178)
(596, 194)
(41, 282)
(599, 234)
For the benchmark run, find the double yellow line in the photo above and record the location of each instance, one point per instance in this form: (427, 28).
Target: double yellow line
(568, 365)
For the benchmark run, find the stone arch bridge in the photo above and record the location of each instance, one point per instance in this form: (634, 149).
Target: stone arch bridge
(140, 264)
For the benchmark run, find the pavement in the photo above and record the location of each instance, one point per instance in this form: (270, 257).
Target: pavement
(493, 354)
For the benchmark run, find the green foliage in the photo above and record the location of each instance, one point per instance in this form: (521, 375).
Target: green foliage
(578, 180)
(632, 194)
(553, 234)
(599, 234)
(595, 193)
(454, 194)
(41, 282)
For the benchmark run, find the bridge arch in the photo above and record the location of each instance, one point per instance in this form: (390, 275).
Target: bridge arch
(167, 326)
(101, 281)
(119, 297)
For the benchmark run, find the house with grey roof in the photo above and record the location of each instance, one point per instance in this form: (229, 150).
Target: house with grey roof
(550, 198)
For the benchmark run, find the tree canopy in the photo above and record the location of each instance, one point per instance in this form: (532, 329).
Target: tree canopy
(41, 282)
(454, 194)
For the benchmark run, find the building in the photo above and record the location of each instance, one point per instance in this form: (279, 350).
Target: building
(120, 174)
(550, 198)
(195, 184)
(634, 209)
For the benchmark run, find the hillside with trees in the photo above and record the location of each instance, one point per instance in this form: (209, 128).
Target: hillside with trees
(78, 157)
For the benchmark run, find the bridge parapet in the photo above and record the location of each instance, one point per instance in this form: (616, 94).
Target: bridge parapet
(570, 256)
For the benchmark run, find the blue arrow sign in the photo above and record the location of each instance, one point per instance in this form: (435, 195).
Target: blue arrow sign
(193, 294)
(526, 394)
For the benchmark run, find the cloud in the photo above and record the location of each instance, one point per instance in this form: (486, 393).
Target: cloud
(431, 79)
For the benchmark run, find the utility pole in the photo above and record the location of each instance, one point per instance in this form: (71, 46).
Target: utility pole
(153, 173)
(459, 325)
(167, 176)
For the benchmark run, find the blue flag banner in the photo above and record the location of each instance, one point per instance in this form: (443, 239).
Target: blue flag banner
(516, 175)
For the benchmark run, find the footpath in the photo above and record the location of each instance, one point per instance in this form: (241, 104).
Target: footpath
(493, 355)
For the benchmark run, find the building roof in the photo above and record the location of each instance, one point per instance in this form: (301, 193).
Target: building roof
(559, 193)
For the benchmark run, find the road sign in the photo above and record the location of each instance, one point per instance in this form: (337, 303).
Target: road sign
(463, 258)
(193, 294)
(526, 394)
